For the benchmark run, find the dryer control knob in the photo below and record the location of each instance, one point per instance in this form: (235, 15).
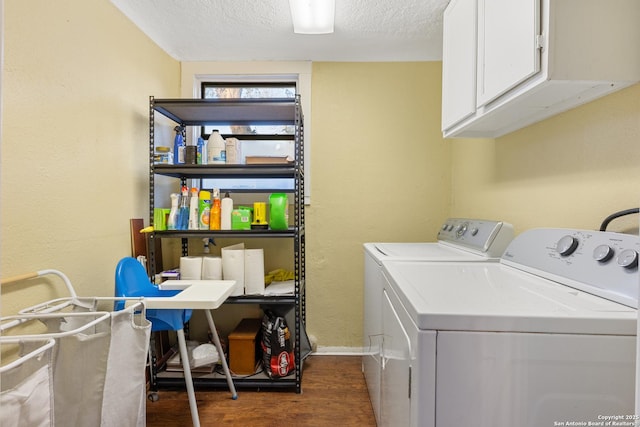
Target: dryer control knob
(567, 245)
(603, 253)
(628, 259)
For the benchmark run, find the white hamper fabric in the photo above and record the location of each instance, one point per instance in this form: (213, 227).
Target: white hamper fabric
(26, 399)
(124, 402)
(79, 369)
(86, 370)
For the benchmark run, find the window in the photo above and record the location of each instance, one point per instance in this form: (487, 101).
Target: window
(255, 140)
(248, 91)
(228, 73)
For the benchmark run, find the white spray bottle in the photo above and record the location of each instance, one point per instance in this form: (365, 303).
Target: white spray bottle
(194, 219)
(173, 214)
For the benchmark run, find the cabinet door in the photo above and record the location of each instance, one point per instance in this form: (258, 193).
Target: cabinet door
(507, 45)
(459, 61)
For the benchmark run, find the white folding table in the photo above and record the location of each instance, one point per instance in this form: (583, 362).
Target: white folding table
(204, 295)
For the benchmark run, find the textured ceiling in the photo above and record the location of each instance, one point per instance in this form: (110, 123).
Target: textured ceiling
(242, 30)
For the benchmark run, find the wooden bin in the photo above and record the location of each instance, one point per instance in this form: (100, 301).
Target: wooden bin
(244, 346)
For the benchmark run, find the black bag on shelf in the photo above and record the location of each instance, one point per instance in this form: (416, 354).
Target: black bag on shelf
(277, 348)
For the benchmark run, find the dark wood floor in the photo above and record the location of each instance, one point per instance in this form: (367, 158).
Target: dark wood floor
(334, 394)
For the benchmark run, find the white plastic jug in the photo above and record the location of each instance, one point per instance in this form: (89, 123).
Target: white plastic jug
(216, 148)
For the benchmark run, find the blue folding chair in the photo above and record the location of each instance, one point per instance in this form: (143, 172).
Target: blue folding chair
(132, 281)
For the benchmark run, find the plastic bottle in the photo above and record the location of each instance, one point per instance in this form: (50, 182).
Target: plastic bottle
(225, 212)
(207, 241)
(201, 158)
(194, 222)
(183, 210)
(173, 214)
(216, 148)
(214, 217)
(278, 211)
(179, 146)
(204, 209)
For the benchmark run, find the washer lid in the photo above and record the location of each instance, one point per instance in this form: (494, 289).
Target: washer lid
(422, 252)
(495, 297)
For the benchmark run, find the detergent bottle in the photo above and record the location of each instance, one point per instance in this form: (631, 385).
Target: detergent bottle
(278, 211)
(179, 147)
(216, 148)
(204, 209)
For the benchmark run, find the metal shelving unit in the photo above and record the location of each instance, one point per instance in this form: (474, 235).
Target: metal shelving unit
(201, 112)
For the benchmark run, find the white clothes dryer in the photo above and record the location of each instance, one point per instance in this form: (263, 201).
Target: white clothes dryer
(459, 239)
(545, 337)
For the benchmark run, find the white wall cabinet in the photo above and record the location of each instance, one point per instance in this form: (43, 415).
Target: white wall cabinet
(459, 62)
(521, 61)
(506, 26)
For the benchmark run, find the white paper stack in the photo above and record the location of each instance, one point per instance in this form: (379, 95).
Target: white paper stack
(254, 271)
(246, 267)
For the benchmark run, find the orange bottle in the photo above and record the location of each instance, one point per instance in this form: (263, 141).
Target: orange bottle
(214, 216)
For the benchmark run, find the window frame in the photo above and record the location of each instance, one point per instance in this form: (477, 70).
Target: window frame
(194, 73)
(240, 84)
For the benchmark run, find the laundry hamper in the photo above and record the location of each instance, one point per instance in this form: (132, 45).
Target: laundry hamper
(98, 362)
(26, 386)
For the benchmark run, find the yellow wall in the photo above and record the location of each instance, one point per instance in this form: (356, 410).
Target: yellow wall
(571, 170)
(380, 173)
(77, 77)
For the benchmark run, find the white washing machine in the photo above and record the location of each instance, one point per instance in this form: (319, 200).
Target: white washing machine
(459, 239)
(545, 337)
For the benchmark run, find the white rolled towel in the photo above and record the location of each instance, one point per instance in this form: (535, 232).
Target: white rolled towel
(191, 268)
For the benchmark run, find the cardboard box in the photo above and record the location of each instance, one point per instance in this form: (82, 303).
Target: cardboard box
(268, 160)
(244, 346)
(232, 148)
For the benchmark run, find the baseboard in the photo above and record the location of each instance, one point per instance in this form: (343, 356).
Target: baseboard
(337, 351)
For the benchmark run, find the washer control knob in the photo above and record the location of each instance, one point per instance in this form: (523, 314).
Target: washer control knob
(567, 245)
(444, 227)
(462, 228)
(474, 231)
(603, 253)
(628, 259)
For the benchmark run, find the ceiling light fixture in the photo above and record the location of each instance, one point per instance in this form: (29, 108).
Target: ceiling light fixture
(312, 16)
